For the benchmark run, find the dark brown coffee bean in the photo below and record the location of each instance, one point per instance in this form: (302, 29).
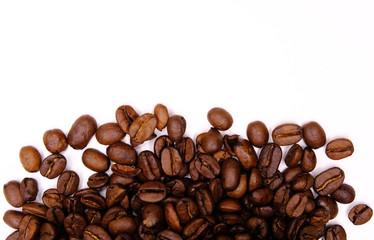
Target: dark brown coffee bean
(162, 115)
(122, 153)
(344, 194)
(98, 180)
(142, 128)
(114, 195)
(13, 194)
(109, 133)
(258, 227)
(216, 189)
(75, 224)
(122, 225)
(146, 233)
(309, 160)
(13, 236)
(269, 160)
(160, 143)
(207, 166)
(186, 209)
(55, 141)
(168, 235)
(52, 166)
(278, 228)
(311, 232)
(125, 170)
(261, 196)
(329, 204)
(172, 218)
(125, 115)
(229, 142)
(171, 161)
(29, 189)
(335, 232)
(82, 131)
(241, 189)
(293, 156)
(112, 214)
(212, 141)
(94, 232)
(30, 158)
(52, 197)
(67, 183)
(230, 174)
(73, 204)
(263, 211)
(186, 148)
(296, 205)
(291, 173)
(36, 209)
(328, 181)
(314, 135)
(120, 180)
(93, 200)
(204, 201)
(319, 217)
(302, 182)
(93, 216)
(176, 127)
(195, 229)
(281, 198)
(221, 155)
(275, 181)
(153, 216)
(152, 192)
(255, 180)
(29, 228)
(310, 206)
(339, 148)
(220, 118)
(257, 133)
(13, 218)
(55, 215)
(229, 205)
(360, 214)
(294, 227)
(246, 154)
(230, 218)
(95, 160)
(150, 165)
(287, 134)
(48, 231)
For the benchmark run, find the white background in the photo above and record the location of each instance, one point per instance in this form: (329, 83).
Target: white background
(275, 61)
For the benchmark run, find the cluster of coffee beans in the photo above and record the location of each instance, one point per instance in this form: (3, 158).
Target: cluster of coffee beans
(216, 187)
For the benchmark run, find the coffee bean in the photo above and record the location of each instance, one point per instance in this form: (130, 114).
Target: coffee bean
(302, 182)
(257, 133)
(93, 216)
(229, 205)
(255, 180)
(319, 217)
(142, 128)
(48, 231)
(195, 229)
(278, 227)
(55, 141)
(207, 166)
(230, 174)
(168, 235)
(344, 194)
(150, 165)
(114, 195)
(294, 227)
(93, 200)
(335, 232)
(122, 225)
(269, 160)
(241, 189)
(314, 135)
(29, 228)
(360, 214)
(13, 218)
(261, 196)
(212, 141)
(55, 215)
(216, 189)
(258, 227)
(74, 203)
(120, 180)
(13, 236)
(186, 209)
(172, 218)
(125, 170)
(228, 142)
(29, 189)
(162, 115)
(204, 201)
(287, 134)
(94, 232)
(52, 197)
(171, 161)
(296, 205)
(329, 204)
(13, 194)
(309, 160)
(67, 183)
(125, 115)
(98, 180)
(82, 131)
(109, 133)
(186, 148)
(311, 232)
(36, 209)
(30, 158)
(95, 160)
(328, 181)
(281, 198)
(52, 166)
(75, 224)
(122, 153)
(275, 181)
(160, 143)
(246, 154)
(339, 148)
(152, 192)
(220, 118)
(153, 216)
(176, 128)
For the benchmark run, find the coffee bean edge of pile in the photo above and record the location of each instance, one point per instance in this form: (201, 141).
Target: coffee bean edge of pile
(213, 187)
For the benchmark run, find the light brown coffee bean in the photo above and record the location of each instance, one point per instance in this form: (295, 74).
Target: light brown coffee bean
(30, 158)
(162, 115)
(55, 141)
(287, 134)
(95, 160)
(339, 148)
(82, 131)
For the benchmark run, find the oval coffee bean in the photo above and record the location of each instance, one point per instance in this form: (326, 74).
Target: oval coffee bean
(122, 153)
(195, 229)
(220, 118)
(319, 217)
(216, 189)
(328, 181)
(186, 209)
(75, 224)
(52, 197)
(176, 128)
(142, 128)
(36, 209)
(55, 141)
(30, 158)
(204, 201)
(13, 218)
(95, 160)
(287, 134)
(212, 141)
(114, 195)
(29, 228)
(29, 189)
(293, 156)
(344, 194)
(302, 182)
(207, 166)
(82, 131)
(339, 148)
(186, 148)
(122, 225)
(258, 227)
(55, 215)
(125, 115)
(255, 180)
(269, 160)
(109, 133)
(329, 204)
(48, 231)
(98, 180)
(309, 160)
(153, 216)
(261, 196)
(296, 205)
(93, 200)
(314, 135)
(335, 232)
(162, 115)
(94, 232)
(171, 161)
(172, 218)
(67, 183)
(52, 166)
(246, 154)
(257, 133)
(152, 192)
(150, 165)
(13, 194)
(360, 214)
(230, 174)
(229, 205)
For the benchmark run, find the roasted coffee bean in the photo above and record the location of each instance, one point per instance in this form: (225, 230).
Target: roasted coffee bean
(29, 189)
(152, 192)
(142, 128)
(94, 232)
(314, 135)
(55, 215)
(287, 134)
(13, 236)
(204, 201)
(82, 131)
(153, 216)
(29, 228)
(328, 181)
(275, 181)
(125, 115)
(160, 143)
(255, 180)
(120, 180)
(195, 229)
(52, 166)
(311, 232)
(186, 209)
(48, 231)
(109, 133)
(176, 128)
(172, 218)
(257, 133)
(186, 148)
(258, 227)
(294, 227)
(13, 218)
(360, 214)
(228, 142)
(98, 180)
(171, 161)
(168, 235)
(95, 160)
(291, 173)
(302, 182)
(335, 232)
(207, 166)
(122, 153)
(146, 233)
(278, 227)
(212, 141)
(229, 205)
(30, 158)
(241, 189)
(344, 194)
(93, 216)
(122, 225)
(112, 214)
(52, 197)
(310, 206)
(13, 194)
(293, 156)
(162, 115)
(296, 205)
(281, 198)
(220, 118)
(263, 211)
(55, 141)
(114, 195)
(230, 218)
(150, 165)
(309, 160)
(261, 196)
(319, 217)
(221, 155)
(36, 209)
(125, 170)
(230, 174)
(329, 204)
(176, 187)
(269, 160)
(75, 224)
(216, 189)
(74, 204)
(246, 154)
(339, 148)
(67, 183)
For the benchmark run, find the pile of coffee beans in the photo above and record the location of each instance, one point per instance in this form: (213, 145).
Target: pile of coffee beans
(213, 187)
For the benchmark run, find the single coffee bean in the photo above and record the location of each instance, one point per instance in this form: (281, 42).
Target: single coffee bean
(114, 195)
(257, 133)
(335, 232)
(230, 174)
(186, 209)
(160, 143)
(13, 236)
(143, 127)
(246, 154)
(311, 232)
(52, 166)
(162, 115)
(48, 231)
(176, 128)
(95, 232)
(291, 173)
(229, 205)
(287, 134)
(229, 142)
(125, 170)
(13, 194)
(125, 115)
(55, 215)
(309, 160)
(258, 227)
(172, 218)
(293, 155)
(93, 216)
(95, 160)
(275, 181)
(112, 214)
(344, 194)
(36, 209)
(278, 227)
(314, 135)
(75, 224)
(269, 160)
(212, 141)
(360, 214)
(281, 198)
(153, 216)
(93, 200)
(150, 165)
(329, 204)
(152, 191)
(294, 227)
(296, 205)
(67, 183)
(120, 180)
(30, 158)
(122, 225)
(195, 229)
(177, 187)
(74, 204)
(207, 166)
(98, 180)
(55, 141)
(109, 133)
(171, 161)
(221, 155)
(339, 148)
(261, 196)
(220, 118)
(216, 189)
(52, 197)
(241, 189)
(328, 181)
(310, 206)
(255, 180)
(13, 218)
(29, 228)
(319, 217)
(145, 232)
(168, 235)
(204, 201)
(302, 182)
(29, 189)
(186, 148)
(122, 153)
(82, 131)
